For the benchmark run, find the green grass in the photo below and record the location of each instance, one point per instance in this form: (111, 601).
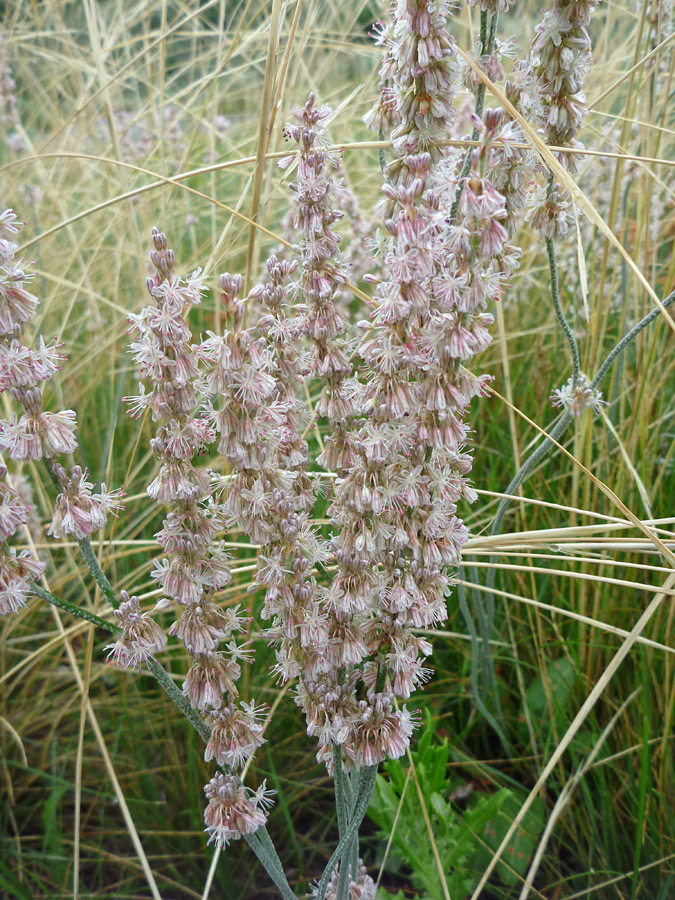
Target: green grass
(75, 64)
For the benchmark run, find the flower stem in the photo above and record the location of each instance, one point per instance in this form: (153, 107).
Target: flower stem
(555, 295)
(364, 791)
(486, 45)
(75, 610)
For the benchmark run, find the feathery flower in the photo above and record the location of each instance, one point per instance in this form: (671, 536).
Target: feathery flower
(141, 638)
(560, 56)
(77, 510)
(577, 396)
(232, 810)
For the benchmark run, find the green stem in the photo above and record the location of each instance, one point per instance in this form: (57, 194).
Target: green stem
(75, 610)
(97, 572)
(168, 685)
(555, 295)
(486, 45)
(269, 863)
(339, 779)
(364, 791)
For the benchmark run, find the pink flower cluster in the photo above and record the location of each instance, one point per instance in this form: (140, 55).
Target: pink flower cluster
(418, 78)
(37, 433)
(141, 638)
(321, 278)
(77, 510)
(17, 570)
(560, 56)
(196, 565)
(395, 508)
(233, 810)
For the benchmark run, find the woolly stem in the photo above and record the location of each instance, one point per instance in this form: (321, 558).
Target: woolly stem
(486, 44)
(626, 340)
(364, 791)
(343, 808)
(74, 610)
(555, 295)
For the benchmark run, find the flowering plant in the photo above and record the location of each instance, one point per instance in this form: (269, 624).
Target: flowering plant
(347, 607)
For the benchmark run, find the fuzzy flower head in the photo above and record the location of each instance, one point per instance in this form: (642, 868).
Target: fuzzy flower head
(77, 510)
(38, 434)
(210, 678)
(17, 572)
(550, 212)
(141, 636)
(233, 810)
(576, 397)
(236, 734)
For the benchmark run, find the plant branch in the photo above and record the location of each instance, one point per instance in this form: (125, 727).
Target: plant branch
(260, 842)
(564, 324)
(364, 791)
(74, 610)
(628, 338)
(486, 45)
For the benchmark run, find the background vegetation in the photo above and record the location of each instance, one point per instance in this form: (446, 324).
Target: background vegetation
(119, 101)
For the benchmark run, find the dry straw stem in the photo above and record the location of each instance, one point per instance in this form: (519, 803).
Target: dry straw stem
(642, 490)
(17, 737)
(577, 722)
(610, 881)
(566, 793)
(568, 183)
(607, 675)
(626, 75)
(567, 613)
(119, 793)
(129, 65)
(263, 134)
(163, 179)
(607, 491)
